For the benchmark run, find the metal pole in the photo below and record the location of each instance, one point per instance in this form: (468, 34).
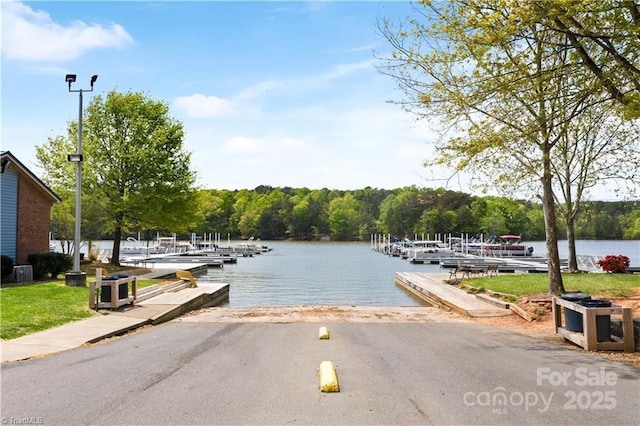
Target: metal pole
(76, 233)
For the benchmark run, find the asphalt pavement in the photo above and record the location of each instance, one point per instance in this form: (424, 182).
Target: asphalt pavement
(212, 373)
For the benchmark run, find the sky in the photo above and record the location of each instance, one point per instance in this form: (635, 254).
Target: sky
(269, 93)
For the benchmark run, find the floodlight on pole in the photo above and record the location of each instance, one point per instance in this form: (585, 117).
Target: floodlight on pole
(77, 277)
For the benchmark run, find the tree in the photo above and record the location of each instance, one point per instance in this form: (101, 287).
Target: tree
(62, 220)
(135, 170)
(401, 212)
(246, 213)
(632, 225)
(300, 224)
(435, 221)
(274, 215)
(605, 40)
(595, 146)
(344, 217)
(496, 80)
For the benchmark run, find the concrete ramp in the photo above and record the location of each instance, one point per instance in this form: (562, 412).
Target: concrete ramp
(172, 305)
(430, 287)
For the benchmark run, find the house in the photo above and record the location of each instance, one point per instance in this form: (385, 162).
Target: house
(25, 210)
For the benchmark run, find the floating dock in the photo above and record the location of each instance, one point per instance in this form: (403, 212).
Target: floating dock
(211, 262)
(505, 265)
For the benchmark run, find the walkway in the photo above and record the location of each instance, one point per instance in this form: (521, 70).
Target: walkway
(431, 288)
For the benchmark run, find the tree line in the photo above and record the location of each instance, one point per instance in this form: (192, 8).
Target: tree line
(311, 214)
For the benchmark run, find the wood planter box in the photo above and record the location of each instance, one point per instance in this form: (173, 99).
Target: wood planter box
(588, 339)
(116, 297)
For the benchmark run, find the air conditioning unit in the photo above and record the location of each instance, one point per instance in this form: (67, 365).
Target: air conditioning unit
(21, 274)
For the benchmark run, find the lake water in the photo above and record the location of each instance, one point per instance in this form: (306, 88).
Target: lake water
(345, 273)
(311, 273)
(316, 273)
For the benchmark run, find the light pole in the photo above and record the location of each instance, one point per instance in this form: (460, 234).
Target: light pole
(77, 277)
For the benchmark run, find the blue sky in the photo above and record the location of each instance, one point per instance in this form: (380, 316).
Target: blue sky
(270, 93)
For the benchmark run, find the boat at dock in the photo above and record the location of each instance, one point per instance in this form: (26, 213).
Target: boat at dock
(161, 245)
(206, 251)
(137, 248)
(505, 246)
(427, 251)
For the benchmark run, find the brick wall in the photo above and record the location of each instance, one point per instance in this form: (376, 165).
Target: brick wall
(34, 216)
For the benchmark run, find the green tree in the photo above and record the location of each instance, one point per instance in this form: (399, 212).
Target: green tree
(603, 35)
(246, 213)
(498, 82)
(135, 169)
(535, 218)
(319, 211)
(631, 230)
(274, 215)
(63, 219)
(217, 207)
(596, 146)
(434, 221)
(344, 217)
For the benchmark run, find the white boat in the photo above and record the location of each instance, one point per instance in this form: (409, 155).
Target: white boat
(162, 245)
(506, 246)
(137, 247)
(428, 251)
(465, 245)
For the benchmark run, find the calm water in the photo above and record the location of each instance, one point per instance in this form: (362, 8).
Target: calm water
(314, 273)
(311, 273)
(333, 273)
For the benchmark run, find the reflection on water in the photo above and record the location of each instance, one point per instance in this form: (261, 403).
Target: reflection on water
(314, 273)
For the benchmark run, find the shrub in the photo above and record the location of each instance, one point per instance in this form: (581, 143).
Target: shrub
(612, 263)
(7, 266)
(61, 263)
(49, 264)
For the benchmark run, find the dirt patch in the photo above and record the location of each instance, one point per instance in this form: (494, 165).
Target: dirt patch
(292, 314)
(542, 328)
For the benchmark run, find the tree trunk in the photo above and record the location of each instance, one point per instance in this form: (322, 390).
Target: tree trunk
(571, 241)
(553, 259)
(115, 252)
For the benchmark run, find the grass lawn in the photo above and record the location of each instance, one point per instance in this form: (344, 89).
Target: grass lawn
(603, 285)
(36, 307)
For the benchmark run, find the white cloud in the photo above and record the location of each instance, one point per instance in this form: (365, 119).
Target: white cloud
(201, 106)
(31, 35)
(271, 146)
